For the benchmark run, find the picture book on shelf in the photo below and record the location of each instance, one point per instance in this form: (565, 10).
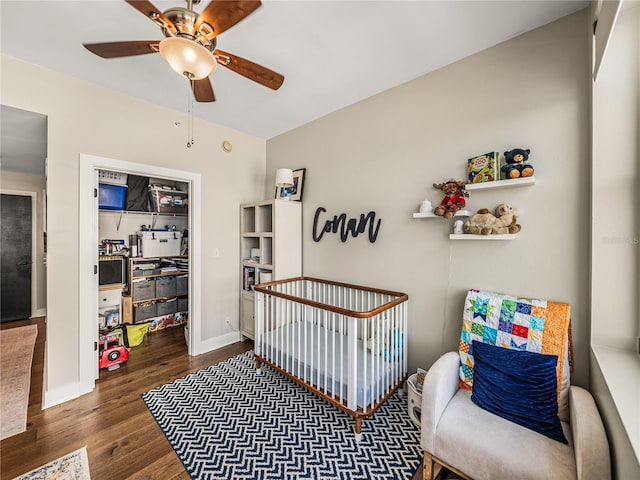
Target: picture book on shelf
(484, 168)
(249, 279)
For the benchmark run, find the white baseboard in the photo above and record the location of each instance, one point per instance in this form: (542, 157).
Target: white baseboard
(215, 343)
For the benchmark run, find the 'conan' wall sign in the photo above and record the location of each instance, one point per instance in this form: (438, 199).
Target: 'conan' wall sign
(340, 224)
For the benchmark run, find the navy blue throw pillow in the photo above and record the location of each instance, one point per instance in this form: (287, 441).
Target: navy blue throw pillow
(519, 386)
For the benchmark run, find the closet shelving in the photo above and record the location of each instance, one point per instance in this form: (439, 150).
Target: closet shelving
(118, 214)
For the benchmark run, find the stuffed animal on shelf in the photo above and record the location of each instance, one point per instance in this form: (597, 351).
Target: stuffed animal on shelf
(454, 198)
(516, 163)
(486, 223)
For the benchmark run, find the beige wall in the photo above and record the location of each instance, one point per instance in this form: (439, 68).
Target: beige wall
(384, 154)
(84, 118)
(20, 182)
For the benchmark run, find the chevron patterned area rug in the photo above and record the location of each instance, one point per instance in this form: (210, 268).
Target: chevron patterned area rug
(225, 422)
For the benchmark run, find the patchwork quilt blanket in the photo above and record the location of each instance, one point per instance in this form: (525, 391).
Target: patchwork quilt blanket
(516, 323)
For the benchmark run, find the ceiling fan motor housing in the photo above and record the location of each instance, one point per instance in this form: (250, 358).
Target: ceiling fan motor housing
(184, 21)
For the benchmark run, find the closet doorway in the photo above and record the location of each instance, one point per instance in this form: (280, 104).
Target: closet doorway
(90, 237)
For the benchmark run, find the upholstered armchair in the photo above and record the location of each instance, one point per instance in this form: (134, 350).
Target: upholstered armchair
(469, 438)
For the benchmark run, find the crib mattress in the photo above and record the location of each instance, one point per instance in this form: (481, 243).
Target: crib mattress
(319, 356)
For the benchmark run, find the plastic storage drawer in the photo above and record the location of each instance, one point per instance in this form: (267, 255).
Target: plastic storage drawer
(111, 197)
(166, 286)
(183, 304)
(166, 307)
(182, 285)
(143, 289)
(144, 311)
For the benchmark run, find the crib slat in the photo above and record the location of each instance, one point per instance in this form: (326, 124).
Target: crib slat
(352, 364)
(343, 383)
(259, 318)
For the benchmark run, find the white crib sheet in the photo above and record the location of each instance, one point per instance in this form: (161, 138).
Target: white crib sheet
(310, 352)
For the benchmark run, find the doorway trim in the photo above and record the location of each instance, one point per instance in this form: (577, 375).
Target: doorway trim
(88, 248)
(35, 312)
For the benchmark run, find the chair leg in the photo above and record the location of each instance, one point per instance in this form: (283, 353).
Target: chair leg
(427, 467)
(431, 467)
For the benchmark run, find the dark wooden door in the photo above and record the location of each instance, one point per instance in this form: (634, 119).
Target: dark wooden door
(15, 257)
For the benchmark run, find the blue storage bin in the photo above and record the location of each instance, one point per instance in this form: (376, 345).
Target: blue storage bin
(111, 197)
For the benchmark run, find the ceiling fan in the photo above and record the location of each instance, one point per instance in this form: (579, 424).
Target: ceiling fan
(190, 41)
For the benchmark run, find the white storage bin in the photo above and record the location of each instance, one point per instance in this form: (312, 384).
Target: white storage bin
(160, 244)
(414, 401)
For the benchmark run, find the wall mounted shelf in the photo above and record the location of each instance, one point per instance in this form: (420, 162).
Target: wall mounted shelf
(514, 182)
(459, 213)
(469, 236)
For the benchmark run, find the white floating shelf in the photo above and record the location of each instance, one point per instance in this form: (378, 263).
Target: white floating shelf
(469, 236)
(514, 182)
(459, 213)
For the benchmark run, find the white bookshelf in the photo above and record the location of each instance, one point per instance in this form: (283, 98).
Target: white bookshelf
(273, 229)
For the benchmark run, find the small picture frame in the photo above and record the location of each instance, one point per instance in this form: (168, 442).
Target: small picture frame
(294, 192)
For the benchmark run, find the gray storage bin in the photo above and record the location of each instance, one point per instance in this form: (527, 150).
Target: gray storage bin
(166, 307)
(166, 286)
(182, 285)
(142, 273)
(183, 304)
(144, 311)
(144, 289)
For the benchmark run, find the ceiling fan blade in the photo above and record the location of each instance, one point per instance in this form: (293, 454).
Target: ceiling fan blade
(224, 14)
(123, 49)
(202, 90)
(153, 13)
(250, 70)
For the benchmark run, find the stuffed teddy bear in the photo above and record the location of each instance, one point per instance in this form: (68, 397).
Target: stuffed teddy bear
(486, 223)
(516, 163)
(454, 198)
(506, 221)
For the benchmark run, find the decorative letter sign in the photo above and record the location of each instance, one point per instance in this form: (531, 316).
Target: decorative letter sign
(352, 226)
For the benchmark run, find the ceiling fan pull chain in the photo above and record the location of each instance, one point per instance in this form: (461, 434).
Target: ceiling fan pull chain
(191, 118)
(190, 115)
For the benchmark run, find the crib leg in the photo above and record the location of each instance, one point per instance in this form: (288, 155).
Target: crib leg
(358, 429)
(258, 367)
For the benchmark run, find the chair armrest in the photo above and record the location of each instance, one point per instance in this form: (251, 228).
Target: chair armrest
(590, 444)
(440, 385)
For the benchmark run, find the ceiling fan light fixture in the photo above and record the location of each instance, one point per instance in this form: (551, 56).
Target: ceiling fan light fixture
(188, 58)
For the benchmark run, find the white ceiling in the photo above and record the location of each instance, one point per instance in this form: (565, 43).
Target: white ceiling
(332, 53)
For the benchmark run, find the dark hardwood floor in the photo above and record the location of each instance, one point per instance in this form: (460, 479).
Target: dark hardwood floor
(122, 438)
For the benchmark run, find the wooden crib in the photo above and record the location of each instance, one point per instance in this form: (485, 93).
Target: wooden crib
(345, 343)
